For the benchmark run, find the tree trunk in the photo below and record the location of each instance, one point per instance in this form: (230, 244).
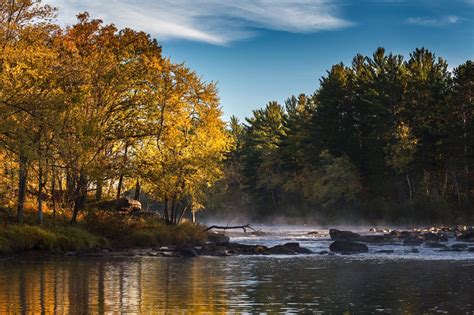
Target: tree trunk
(53, 189)
(81, 196)
(40, 193)
(120, 184)
(165, 212)
(445, 184)
(99, 189)
(119, 188)
(71, 179)
(410, 188)
(456, 186)
(137, 190)
(22, 182)
(173, 205)
(183, 212)
(273, 200)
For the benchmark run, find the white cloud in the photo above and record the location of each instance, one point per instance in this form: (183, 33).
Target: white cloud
(212, 21)
(434, 21)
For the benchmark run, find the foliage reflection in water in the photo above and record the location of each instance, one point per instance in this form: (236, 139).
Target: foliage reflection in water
(252, 284)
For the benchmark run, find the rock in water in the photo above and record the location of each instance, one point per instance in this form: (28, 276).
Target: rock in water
(467, 235)
(288, 249)
(413, 241)
(348, 247)
(432, 244)
(186, 251)
(218, 238)
(459, 246)
(343, 235)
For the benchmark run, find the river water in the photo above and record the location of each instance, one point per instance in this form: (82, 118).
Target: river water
(402, 282)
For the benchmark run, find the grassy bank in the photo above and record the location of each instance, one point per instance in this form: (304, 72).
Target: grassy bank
(128, 231)
(95, 230)
(22, 238)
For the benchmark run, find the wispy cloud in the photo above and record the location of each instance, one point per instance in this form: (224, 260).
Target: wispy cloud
(212, 21)
(434, 21)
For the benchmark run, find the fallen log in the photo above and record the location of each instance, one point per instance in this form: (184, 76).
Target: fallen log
(218, 227)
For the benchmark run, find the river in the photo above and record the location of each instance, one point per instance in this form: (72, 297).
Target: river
(368, 283)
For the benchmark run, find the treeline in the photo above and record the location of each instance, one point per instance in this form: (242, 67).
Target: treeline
(89, 111)
(384, 138)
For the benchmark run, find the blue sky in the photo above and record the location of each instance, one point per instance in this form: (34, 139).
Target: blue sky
(263, 50)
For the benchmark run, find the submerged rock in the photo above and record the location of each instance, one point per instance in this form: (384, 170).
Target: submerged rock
(459, 246)
(348, 247)
(385, 251)
(416, 241)
(432, 244)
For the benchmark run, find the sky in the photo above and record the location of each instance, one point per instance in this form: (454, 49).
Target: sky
(267, 50)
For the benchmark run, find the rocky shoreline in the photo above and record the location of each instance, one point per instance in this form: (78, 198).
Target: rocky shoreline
(343, 242)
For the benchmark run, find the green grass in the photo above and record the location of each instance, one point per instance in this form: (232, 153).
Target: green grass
(21, 238)
(166, 235)
(96, 229)
(126, 231)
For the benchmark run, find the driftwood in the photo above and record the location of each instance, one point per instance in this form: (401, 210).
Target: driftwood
(243, 227)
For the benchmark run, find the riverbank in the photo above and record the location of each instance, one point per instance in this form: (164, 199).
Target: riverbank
(96, 232)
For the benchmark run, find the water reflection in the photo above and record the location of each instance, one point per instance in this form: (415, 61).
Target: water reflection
(218, 285)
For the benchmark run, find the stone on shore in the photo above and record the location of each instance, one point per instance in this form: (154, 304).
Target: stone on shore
(218, 238)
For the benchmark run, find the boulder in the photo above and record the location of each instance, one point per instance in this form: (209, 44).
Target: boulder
(337, 235)
(467, 235)
(288, 249)
(127, 205)
(212, 249)
(242, 249)
(436, 237)
(376, 239)
(218, 238)
(348, 247)
(186, 251)
(395, 234)
(406, 234)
